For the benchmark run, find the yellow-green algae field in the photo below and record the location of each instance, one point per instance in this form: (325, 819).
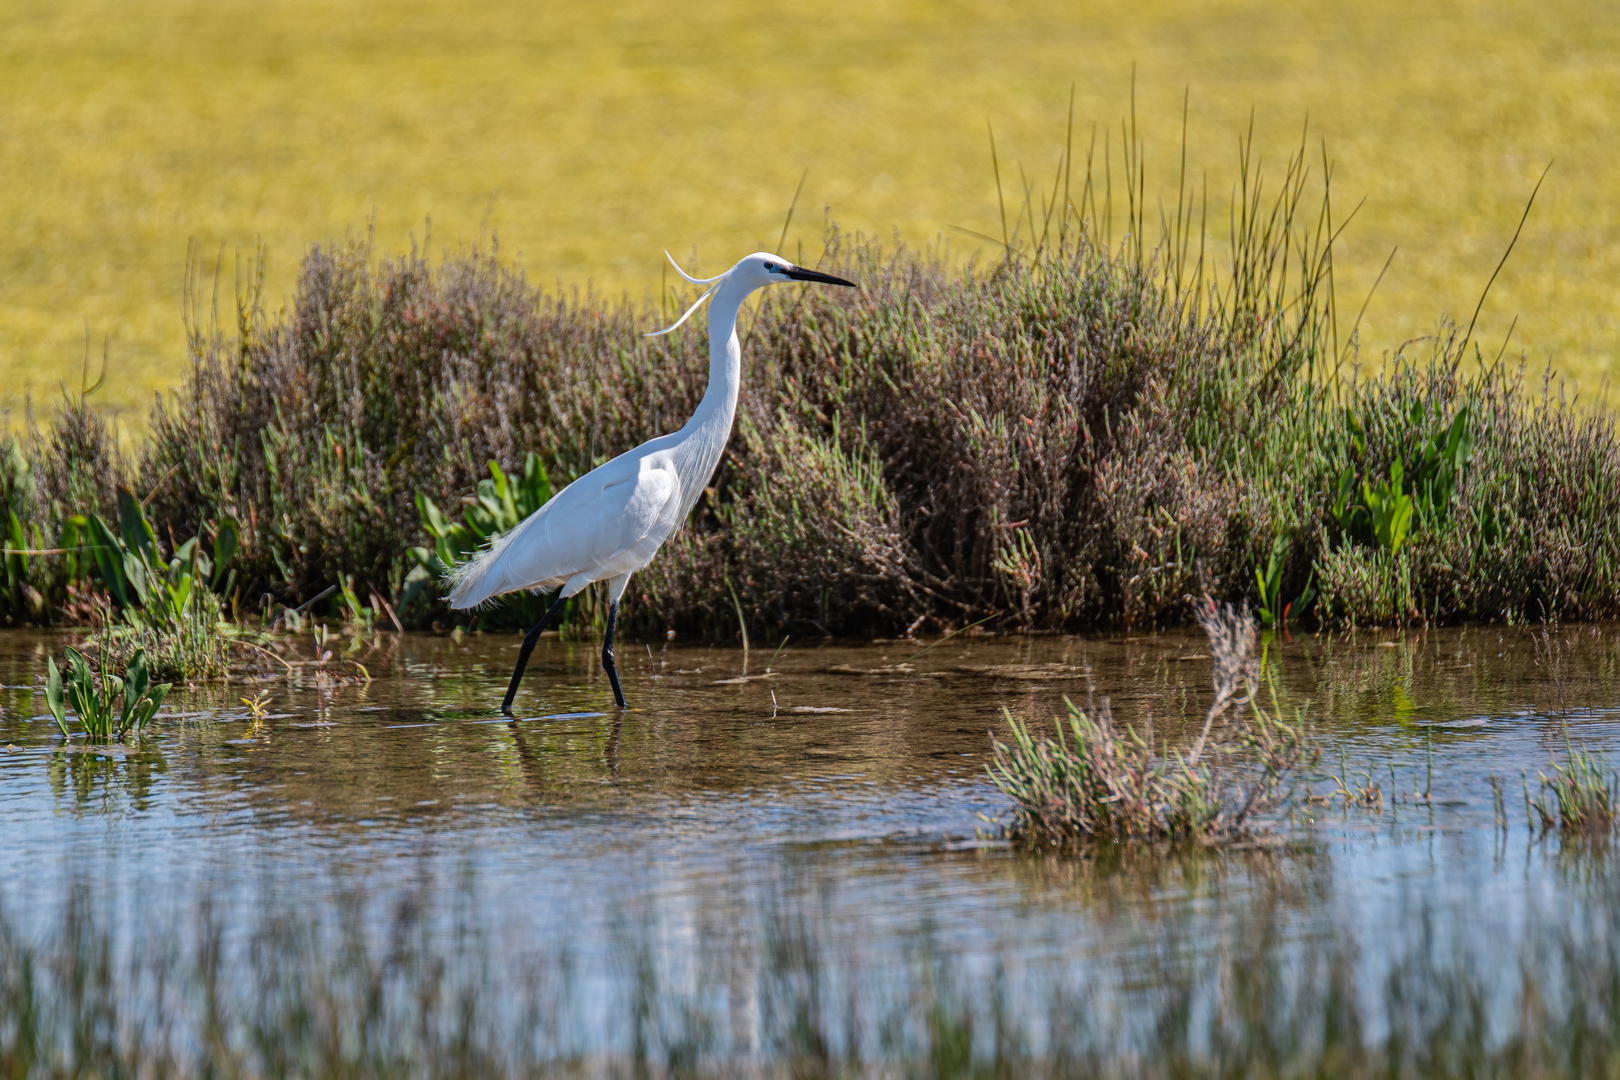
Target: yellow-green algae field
(587, 138)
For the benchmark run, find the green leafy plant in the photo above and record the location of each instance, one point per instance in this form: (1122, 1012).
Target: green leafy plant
(139, 579)
(34, 572)
(107, 707)
(258, 706)
(359, 620)
(1273, 610)
(500, 504)
(1388, 512)
(17, 594)
(1098, 781)
(170, 608)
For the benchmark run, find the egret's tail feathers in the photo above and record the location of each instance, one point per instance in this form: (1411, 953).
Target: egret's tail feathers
(472, 583)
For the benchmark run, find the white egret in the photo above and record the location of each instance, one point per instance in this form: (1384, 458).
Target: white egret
(610, 522)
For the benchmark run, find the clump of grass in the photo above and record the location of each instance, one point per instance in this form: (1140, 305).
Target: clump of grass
(1098, 781)
(1359, 789)
(189, 643)
(1109, 784)
(1581, 796)
(107, 707)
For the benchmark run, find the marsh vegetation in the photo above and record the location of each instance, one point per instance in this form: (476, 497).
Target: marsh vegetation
(1087, 430)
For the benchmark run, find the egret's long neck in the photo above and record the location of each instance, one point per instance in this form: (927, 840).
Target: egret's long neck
(719, 405)
(704, 437)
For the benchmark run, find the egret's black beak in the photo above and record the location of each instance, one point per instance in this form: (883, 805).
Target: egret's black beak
(798, 274)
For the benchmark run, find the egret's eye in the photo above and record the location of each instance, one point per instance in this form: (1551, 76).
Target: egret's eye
(770, 266)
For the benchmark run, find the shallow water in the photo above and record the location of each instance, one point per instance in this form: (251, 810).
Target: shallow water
(845, 786)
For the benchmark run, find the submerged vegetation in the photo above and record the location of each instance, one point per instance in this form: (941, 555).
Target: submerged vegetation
(1086, 432)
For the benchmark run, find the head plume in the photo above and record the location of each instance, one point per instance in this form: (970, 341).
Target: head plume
(713, 284)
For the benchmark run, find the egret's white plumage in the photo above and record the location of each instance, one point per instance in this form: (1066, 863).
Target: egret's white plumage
(611, 522)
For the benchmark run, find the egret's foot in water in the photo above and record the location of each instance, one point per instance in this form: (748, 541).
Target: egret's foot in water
(607, 656)
(529, 641)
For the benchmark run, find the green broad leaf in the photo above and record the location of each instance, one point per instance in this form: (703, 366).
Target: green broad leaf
(227, 539)
(152, 703)
(180, 594)
(350, 599)
(446, 557)
(489, 496)
(81, 693)
(79, 668)
(108, 552)
(1358, 435)
(499, 479)
(53, 695)
(135, 577)
(481, 523)
(137, 532)
(1459, 441)
(505, 495)
(433, 518)
(536, 488)
(201, 568)
(136, 674)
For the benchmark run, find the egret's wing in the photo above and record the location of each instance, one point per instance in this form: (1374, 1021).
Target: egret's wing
(588, 526)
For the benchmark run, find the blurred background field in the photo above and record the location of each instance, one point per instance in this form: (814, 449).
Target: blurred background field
(588, 137)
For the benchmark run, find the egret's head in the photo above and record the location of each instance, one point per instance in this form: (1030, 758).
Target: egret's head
(763, 268)
(752, 271)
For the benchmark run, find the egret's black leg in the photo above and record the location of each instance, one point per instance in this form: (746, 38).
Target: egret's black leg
(607, 655)
(523, 653)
